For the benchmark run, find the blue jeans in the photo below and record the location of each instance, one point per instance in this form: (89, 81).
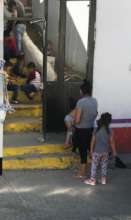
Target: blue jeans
(14, 89)
(28, 88)
(20, 29)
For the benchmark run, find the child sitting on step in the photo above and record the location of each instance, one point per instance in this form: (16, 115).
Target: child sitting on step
(101, 143)
(33, 83)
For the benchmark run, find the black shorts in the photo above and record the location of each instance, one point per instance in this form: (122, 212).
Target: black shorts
(82, 138)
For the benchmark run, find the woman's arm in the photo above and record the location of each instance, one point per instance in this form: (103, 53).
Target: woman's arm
(92, 145)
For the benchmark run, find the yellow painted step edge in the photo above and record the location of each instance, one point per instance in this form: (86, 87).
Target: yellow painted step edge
(26, 112)
(46, 149)
(22, 127)
(43, 163)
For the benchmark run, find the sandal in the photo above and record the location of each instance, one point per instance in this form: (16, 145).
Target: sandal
(90, 182)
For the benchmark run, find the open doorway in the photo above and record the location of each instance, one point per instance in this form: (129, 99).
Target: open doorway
(56, 35)
(67, 35)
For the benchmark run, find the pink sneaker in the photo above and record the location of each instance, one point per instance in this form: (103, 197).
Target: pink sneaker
(90, 182)
(103, 181)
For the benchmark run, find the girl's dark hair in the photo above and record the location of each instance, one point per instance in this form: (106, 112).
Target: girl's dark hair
(86, 87)
(72, 103)
(104, 120)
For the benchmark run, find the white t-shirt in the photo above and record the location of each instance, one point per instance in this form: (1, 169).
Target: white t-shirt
(37, 81)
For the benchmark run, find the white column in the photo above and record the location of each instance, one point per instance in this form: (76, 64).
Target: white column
(1, 83)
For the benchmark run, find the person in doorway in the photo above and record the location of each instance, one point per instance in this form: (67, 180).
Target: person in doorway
(102, 140)
(86, 112)
(33, 83)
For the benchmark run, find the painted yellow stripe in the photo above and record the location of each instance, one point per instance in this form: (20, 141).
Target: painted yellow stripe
(26, 112)
(44, 163)
(23, 99)
(22, 127)
(19, 151)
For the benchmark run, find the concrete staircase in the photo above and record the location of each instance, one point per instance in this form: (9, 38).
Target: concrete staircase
(22, 149)
(38, 157)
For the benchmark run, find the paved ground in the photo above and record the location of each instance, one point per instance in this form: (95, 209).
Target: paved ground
(54, 195)
(31, 139)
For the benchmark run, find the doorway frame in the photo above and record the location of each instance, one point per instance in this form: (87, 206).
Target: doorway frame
(60, 86)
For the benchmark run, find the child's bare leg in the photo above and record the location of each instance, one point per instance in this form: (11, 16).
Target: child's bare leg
(68, 134)
(68, 139)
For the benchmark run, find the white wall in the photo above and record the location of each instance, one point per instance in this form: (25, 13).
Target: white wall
(38, 8)
(53, 22)
(77, 35)
(76, 32)
(77, 29)
(1, 82)
(112, 75)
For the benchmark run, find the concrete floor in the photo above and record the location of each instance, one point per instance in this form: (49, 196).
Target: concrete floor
(54, 195)
(31, 139)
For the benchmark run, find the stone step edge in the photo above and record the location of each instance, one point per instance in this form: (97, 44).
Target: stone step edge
(42, 149)
(43, 163)
(22, 126)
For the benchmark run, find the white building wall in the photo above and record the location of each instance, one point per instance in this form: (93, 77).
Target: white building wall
(1, 78)
(112, 61)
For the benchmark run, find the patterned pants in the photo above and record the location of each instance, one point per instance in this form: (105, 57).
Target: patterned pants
(102, 160)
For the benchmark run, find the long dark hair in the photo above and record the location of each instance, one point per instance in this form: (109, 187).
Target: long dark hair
(86, 87)
(104, 121)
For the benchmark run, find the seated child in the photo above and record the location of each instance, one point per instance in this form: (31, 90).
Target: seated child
(69, 122)
(101, 143)
(33, 83)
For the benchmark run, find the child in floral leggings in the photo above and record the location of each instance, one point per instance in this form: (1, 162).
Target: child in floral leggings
(101, 142)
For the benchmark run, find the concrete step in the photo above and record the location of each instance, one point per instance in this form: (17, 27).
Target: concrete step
(52, 163)
(23, 98)
(38, 157)
(25, 156)
(26, 110)
(25, 139)
(34, 150)
(22, 125)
